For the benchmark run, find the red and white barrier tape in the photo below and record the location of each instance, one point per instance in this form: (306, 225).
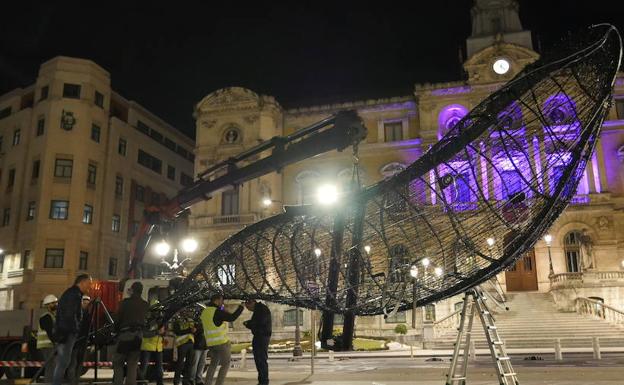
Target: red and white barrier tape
(38, 364)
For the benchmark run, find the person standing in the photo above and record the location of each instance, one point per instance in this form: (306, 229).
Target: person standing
(200, 349)
(184, 329)
(80, 347)
(152, 349)
(45, 336)
(129, 328)
(68, 322)
(214, 319)
(261, 328)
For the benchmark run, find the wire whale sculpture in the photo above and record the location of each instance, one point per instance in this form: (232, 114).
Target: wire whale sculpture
(466, 210)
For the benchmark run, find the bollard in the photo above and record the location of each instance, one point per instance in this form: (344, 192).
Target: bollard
(411, 351)
(243, 358)
(473, 351)
(331, 355)
(558, 355)
(596, 345)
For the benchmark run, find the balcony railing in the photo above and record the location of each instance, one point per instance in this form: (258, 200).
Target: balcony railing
(587, 279)
(233, 219)
(597, 309)
(15, 273)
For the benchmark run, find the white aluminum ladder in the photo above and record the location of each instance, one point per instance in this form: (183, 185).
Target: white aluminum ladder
(474, 302)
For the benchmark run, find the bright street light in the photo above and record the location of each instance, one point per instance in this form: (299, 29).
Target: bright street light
(548, 239)
(327, 194)
(490, 241)
(317, 252)
(162, 248)
(438, 271)
(189, 245)
(267, 202)
(367, 248)
(425, 262)
(414, 271)
(1, 251)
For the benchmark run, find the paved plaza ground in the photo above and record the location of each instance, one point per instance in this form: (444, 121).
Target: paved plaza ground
(578, 369)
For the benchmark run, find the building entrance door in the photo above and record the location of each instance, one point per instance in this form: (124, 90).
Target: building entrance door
(523, 275)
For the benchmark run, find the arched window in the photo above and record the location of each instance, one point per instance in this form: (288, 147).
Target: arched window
(430, 313)
(572, 250)
(307, 181)
(449, 117)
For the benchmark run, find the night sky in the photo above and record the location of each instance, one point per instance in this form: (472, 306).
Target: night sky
(167, 57)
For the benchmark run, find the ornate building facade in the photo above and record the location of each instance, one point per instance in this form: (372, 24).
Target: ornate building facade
(587, 245)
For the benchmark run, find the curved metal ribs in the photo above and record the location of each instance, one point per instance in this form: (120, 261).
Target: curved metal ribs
(505, 172)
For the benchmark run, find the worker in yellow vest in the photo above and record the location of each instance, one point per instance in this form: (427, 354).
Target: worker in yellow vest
(214, 320)
(183, 328)
(152, 349)
(45, 340)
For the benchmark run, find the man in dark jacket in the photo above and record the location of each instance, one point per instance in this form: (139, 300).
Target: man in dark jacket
(68, 321)
(129, 328)
(199, 354)
(260, 326)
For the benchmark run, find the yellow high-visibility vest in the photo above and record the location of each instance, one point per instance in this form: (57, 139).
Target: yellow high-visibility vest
(184, 338)
(215, 335)
(152, 344)
(43, 340)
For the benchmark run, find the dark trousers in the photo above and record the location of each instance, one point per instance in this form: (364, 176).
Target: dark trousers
(158, 360)
(260, 346)
(183, 365)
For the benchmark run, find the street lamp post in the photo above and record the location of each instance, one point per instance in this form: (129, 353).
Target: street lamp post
(162, 248)
(548, 240)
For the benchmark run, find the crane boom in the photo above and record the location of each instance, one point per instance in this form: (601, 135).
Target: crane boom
(336, 132)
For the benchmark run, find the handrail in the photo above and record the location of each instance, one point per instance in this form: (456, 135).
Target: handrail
(597, 309)
(447, 323)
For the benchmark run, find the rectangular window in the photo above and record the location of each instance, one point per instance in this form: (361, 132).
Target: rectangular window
(40, 126)
(63, 168)
(119, 186)
(71, 91)
(122, 146)
(144, 128)
(6, 217)
(91, 174)
(95, 133)
(59, 209)
(112, 267)
(87, 214)
(171, 172)
(25, 261)
(11, 180)
(226, 274)
(149, 161)
(17, 135)
(140, 193)
(99, 99)
(35, 169)
(5, 112)
(44, 93)
(157, 136)
(30, 215)
(397, 318)
(54, 258)
(229, 202)
(116, 223)
(430, 313)
(170, 144)
(393, 131)
(185, 180)
(290, 317)
(83, 260)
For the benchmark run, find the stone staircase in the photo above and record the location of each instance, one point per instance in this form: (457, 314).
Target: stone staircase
(533, 322)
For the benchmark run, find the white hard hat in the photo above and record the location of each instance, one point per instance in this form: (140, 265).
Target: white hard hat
(86, 298)
(50, 298)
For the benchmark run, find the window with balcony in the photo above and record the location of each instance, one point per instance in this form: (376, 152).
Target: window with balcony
(229, 202)
(572, 250)
(54, 258)
(87, 214)
(63, 168)
(71, 91)
(149, 161)
(59, 209)
(83, 260)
